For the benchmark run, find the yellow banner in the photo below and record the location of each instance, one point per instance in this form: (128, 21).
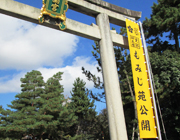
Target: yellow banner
(146, 117)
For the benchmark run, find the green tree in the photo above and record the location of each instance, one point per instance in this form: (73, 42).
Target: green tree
(166, 70)
(61, 117)
(165, 18)
(4, 121)
(25, 118)
(84, 110)
(165, 22)
(40, 110)
(102, 125)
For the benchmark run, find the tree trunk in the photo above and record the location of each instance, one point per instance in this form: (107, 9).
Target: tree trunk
(177, 43)
(134, 102)
(133, 131)
(176, 39)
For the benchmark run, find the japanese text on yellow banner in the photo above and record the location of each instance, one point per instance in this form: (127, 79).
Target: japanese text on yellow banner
(146, 119)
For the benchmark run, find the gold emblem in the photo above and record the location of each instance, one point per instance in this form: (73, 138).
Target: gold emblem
(55, 9)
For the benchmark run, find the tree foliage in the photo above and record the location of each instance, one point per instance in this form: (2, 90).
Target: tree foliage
(55, 107)
(165, 18)
(164, 57)
(39, 111)
(84, 109)
(166, 70)
(102, 126)
(4, 121)
(26, 119)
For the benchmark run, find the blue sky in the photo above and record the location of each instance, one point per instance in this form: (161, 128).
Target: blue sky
(25, 46)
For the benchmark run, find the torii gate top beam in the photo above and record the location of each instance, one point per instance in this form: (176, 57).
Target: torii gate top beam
(29, 13)
(95, 7)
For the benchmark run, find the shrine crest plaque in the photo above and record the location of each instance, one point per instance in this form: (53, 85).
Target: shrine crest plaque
(55, 9)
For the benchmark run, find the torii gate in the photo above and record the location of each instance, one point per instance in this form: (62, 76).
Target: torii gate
(104, 13)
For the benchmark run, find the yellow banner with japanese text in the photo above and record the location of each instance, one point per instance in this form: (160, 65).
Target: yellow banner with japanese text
(146, 117)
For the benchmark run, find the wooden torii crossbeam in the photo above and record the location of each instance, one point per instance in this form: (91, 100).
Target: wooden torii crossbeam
(104, 13)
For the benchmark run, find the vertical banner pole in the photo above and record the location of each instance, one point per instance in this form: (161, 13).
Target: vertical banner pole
(150, 77)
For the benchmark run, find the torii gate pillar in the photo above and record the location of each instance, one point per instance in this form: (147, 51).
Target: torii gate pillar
(116, 119)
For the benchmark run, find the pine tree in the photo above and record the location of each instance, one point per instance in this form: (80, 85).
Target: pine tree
(56, 107)
(40, 110)
(165, 22)
(26, 118)
(166, 70)
(4, 121)
(84, 109)
(165, 18)
(102, 125)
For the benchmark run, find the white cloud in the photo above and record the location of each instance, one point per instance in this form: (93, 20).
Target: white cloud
(24, 45)
(70, 73)
(12, 85)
